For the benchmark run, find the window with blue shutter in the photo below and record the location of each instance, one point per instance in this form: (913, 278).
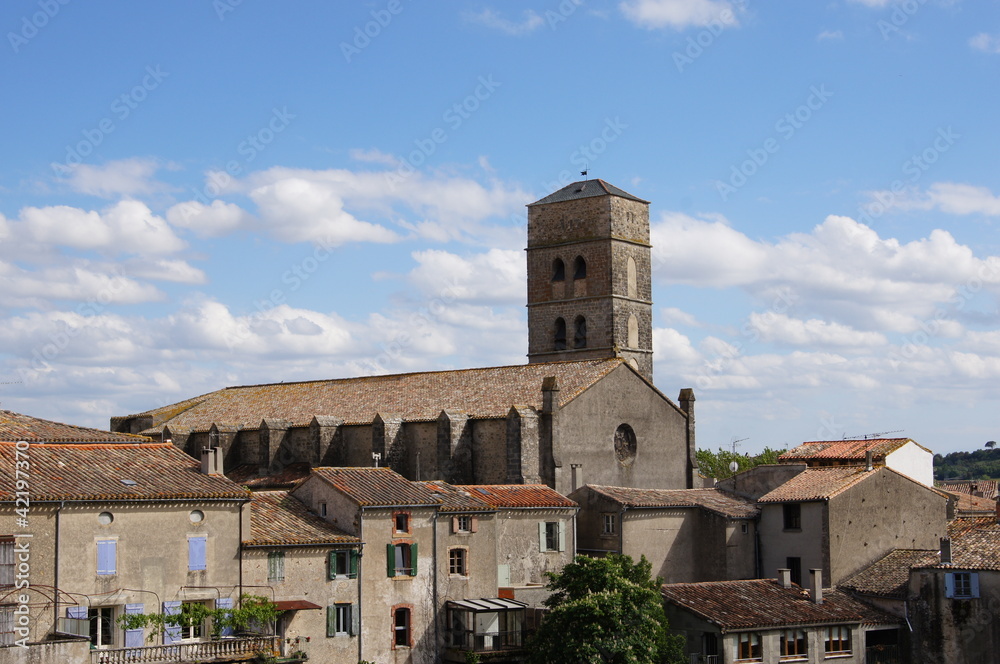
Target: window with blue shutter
(78, 622)
(173, 632)
(225, 603)
(133, 637)
(196, 552)
(107, 556)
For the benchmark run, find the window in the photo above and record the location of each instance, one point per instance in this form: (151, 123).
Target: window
(343, 564)
(401, 628)
(401, 522)
(838, 640)
(552, 536)
(748, 647)
(795, 566)
(794, 644)
(196, 629)
(7, 625)
(560, 335)
(107, 551)
(456, 562)
(401, 559)
(340, 620)
(579, 268)
(7, 561)
(630, 289)
(463, 524)
(610, 521)
(275, 566)
(322, 510)
(580, 332)
(197, 546)
(105, 518)
(793, 516)
(558, 270)
(961, 585)
(625, 444)
(633, 331)
(102, 626)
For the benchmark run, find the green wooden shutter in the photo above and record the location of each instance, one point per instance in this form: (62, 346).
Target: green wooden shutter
(541, 536)
(562, 535)
(354, 564)
(390, 560)
(413, 559)
(331, 565)
(331, 620)
(355, 620)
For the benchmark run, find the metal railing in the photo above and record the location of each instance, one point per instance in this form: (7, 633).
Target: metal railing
(186, 652)
(888, 654)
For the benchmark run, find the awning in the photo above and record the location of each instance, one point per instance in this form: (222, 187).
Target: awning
(295, 605)
(492, 604)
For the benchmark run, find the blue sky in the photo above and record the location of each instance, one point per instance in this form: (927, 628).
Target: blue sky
(202, 194)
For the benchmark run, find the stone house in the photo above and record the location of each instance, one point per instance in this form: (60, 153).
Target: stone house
(900, 454)
(771, 621)
(583, 409)
(101, 529)
(688, 535)
(309, 568)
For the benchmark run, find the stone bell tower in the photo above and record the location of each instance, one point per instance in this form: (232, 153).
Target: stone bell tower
(589, 276)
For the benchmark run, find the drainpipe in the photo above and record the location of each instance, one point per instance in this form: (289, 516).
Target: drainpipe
(621, 530)
(361, 560)
(55, 583)
(434, 562)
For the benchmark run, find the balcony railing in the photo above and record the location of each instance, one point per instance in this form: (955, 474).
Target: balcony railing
(186, 652)
(492, 641)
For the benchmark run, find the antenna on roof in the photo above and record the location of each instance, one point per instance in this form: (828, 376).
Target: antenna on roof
(734, 465)
(586, 169)
(867, 436)
(377, 457)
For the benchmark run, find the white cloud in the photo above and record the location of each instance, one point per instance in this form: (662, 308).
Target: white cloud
(875, 4)
(985, 42)
(374, 156)
(219, 218)
(949, 197)
(24, 287)
(497, 276)
(830, 35)
(491, 19)
(669, 345)
(671, 315)
(175, 271)
(125, 177)
(679, 14)
(779, 328)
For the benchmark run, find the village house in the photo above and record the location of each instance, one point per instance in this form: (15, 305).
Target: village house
(687, 534)
(900, 454)
(771, 621)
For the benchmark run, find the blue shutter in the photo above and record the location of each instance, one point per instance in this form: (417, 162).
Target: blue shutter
(196, 552)
(974, 584)
(133, 637)
(949, 584)
(173, 633)
(106, 558)
(78, 612)
(225, 603)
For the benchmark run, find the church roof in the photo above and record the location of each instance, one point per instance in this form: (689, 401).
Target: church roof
(15, 427)
(480, 393)
(586, 189)
(714, 500)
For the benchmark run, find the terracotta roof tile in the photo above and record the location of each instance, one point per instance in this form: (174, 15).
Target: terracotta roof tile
(764, 604)
(969, 505)
(817, 484)
(987, 488)
(15, 427)
(713, 500)
(513, 496)
(964, 524)
(976, 548)
(889, 576)
(844, 450)
(278, 519)
(287, 478)
(377, 487)
(481, 393)
(113, 472)
(455, 499)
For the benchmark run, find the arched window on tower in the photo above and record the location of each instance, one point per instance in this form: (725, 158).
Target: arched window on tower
(560, 335)
(579, 268)
(632, 288)
(580, 332)
(558, 270)
(633, 331)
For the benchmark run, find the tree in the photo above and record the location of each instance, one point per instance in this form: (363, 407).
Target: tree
(716, 464)
(605, 611)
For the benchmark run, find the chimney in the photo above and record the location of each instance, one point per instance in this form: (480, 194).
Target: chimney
(945, 551)
(577, 473)
(550, 394)
(817, 585)
(211, 461)
(868, 460)
(785, 577)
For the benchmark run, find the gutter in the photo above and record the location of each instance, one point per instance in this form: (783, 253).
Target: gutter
(361, 525)
(434, 590)
(55, 580)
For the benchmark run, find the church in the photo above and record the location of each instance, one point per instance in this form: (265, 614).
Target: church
(583, 410)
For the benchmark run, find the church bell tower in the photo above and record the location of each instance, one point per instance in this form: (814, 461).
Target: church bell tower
(589, 276)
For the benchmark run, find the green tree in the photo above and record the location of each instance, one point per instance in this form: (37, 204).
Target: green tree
(605, 611)
(716, 464)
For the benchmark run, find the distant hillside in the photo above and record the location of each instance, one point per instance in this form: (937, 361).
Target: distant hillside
(978, 465)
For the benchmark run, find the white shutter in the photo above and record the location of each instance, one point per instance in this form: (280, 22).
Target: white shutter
(562, 535)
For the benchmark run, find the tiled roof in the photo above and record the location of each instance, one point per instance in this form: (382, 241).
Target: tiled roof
(15, 427)
(988, 488)
(817, 484)
(455, 499)
(513, 496)
(377, 487)
(889, 576)
(964, 524)
(977, 548)
(846, 450)
(585, 189)
(714, 500)
(113, 472)
(763, 604)
(278, 519)
(480, 393)
(969, 505)
(287, 478)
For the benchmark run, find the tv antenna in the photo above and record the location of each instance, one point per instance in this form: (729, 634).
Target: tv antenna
(734, 465)
(586, 169)
(377, 457)
(867, 436)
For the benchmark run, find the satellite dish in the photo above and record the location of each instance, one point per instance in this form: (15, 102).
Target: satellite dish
(733, 466)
